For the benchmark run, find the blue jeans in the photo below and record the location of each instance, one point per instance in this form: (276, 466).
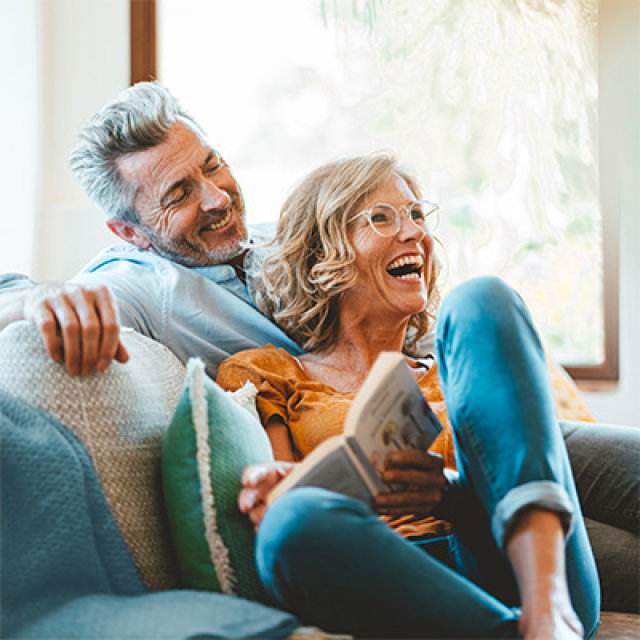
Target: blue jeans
(332, 562)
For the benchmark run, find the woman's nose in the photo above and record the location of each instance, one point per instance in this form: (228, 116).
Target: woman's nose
(410, 230)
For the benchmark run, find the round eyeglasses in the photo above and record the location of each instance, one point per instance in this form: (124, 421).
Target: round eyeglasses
(386, 219)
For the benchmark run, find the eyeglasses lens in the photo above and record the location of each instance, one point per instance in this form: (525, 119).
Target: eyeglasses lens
(387, 221)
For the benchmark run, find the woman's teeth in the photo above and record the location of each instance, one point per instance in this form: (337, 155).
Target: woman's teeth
(406, 268)
(409, 276)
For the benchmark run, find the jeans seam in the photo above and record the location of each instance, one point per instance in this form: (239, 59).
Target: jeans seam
(484, 467)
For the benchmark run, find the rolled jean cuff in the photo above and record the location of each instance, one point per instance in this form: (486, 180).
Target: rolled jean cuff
(543, 494)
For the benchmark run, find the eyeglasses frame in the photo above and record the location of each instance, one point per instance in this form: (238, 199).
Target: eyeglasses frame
(403, 210)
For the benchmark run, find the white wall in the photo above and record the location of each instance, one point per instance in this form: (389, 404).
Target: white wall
(64, 58)
(85, 63)
(20, 52)
(620, 150)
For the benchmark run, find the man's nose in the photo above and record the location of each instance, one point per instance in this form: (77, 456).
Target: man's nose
(213, 197)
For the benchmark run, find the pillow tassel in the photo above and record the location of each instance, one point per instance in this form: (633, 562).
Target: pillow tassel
(217, 549)
(210, 441)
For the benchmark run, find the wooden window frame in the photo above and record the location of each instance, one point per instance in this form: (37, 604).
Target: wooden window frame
(143, 30)
(591, 377)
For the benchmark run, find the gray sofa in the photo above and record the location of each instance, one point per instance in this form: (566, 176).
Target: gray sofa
(85, 541)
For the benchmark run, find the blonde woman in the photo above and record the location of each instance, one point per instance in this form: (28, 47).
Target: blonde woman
(499, 551)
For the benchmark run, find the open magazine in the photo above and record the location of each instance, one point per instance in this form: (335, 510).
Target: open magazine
(388, 413)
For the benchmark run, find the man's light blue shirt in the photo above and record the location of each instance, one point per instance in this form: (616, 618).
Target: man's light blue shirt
(203, 311)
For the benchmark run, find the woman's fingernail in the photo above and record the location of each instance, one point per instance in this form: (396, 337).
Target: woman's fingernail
(255, 475)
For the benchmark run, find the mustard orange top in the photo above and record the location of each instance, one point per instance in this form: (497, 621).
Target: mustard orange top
(313, 411)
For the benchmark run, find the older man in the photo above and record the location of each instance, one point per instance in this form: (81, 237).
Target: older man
(179, 279)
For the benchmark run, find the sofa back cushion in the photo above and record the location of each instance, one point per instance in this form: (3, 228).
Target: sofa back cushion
(120, 416)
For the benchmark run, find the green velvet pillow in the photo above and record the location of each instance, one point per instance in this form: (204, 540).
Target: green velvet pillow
(210, 440)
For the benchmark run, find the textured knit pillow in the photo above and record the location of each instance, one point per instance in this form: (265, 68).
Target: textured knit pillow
(211, 439)
(120, 416)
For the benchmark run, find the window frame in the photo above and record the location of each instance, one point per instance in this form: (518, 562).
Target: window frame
(143, 40)
(603, 376)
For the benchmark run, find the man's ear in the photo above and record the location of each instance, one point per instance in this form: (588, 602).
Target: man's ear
(129, 232)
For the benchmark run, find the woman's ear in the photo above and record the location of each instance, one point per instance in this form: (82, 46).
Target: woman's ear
(129, 232)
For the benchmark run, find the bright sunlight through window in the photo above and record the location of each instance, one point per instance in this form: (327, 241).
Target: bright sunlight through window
(492, 104)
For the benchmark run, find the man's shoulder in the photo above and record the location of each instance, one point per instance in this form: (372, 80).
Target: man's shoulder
(128, 261)
(15, 281)
(125, 268)
(143, 275)
(123, 253)
(125, 257)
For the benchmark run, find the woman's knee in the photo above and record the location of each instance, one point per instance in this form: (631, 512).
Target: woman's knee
(302, 518)
(483, 308)
(479, 297)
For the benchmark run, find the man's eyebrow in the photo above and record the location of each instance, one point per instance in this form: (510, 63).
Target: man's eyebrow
(212, 154)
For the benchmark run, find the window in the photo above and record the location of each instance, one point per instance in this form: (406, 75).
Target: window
(494, 105)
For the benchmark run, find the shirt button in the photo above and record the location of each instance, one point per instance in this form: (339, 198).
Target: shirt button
(226, 272)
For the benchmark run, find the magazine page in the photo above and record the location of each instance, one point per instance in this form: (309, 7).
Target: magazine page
(390, 413)
(329, 466)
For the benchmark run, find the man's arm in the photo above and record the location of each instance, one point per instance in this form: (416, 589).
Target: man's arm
(11, 305)
(78, 324)
(13, 287)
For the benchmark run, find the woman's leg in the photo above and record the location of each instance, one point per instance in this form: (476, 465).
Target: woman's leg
(334, 564)
(536, 551)
(510, 450)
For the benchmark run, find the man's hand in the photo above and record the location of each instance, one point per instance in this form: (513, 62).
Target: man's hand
(79, 325)
(258, 480)
(421, 481)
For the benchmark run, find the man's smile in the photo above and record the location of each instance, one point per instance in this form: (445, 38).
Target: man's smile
(222, 222)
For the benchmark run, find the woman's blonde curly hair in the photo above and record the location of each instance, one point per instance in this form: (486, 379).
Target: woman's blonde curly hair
(298, 281)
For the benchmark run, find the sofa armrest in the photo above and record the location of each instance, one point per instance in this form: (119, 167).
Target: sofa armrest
(120, 416)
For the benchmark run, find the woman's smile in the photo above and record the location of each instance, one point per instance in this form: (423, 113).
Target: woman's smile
(407, 268)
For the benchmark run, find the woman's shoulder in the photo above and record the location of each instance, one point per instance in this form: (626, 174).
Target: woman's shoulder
(266, 354)
(266, 361)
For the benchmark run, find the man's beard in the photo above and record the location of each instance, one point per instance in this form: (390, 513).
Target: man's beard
(189, 255)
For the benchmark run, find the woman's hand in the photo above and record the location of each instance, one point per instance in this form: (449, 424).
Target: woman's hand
(258, 480)
(420, 480)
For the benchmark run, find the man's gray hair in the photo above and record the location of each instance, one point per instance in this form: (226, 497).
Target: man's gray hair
(138, 119)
